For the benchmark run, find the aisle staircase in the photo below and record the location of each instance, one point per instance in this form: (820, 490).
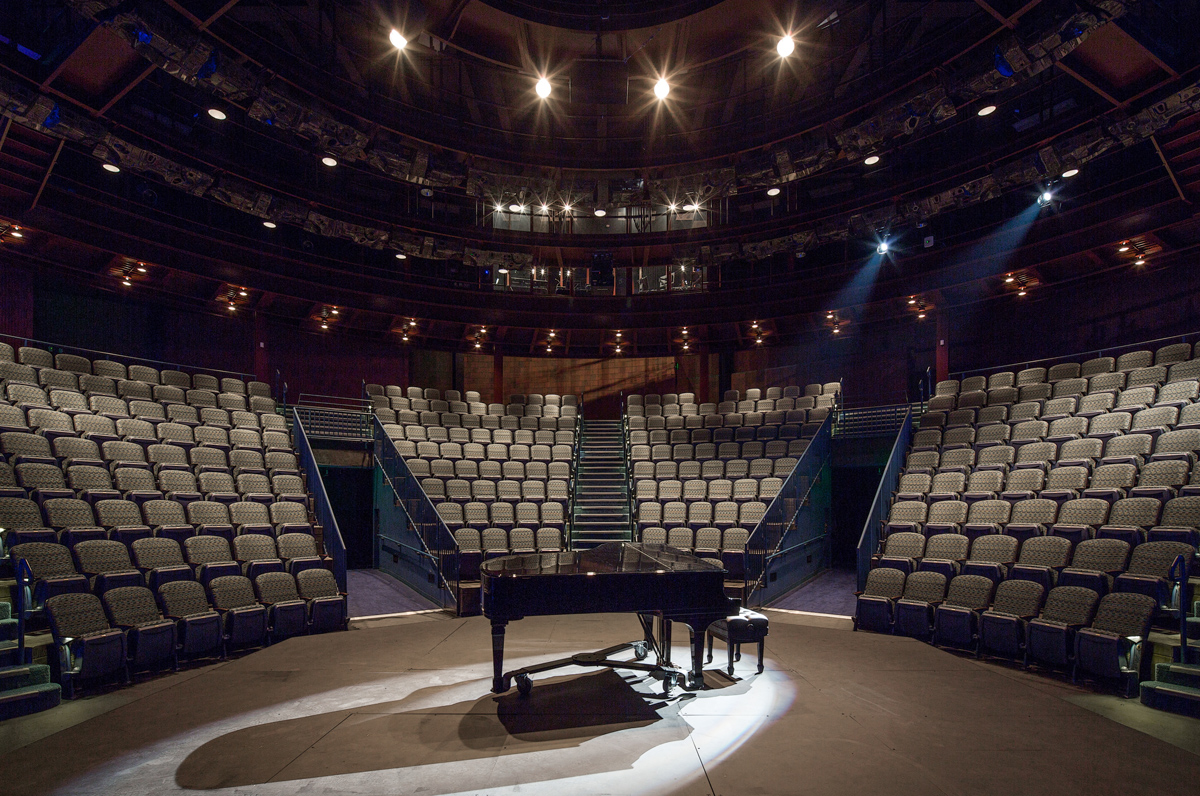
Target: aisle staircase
(601, 505)
(24, 687)
(1176, 686)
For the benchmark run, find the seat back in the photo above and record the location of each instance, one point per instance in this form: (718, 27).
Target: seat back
(75, 615)
(969, 591)
(1070, 605)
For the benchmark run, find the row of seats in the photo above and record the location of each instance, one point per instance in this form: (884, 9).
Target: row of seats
(453, 420)
(462, 490)
(726, 543)
(490, 470)
(405, 408)
(1112, 384)
(482, 436)
(752, 394)
(701, 514)
(470, 396)
(478, 452)
(135, 628)
(1135, 449)
(19, 447)
(1070, 627)
(1104, 425)
(706, 451)
(69, 521)
(789, 409)
(476, 514)
(102, 397)
(41, 359)
(102, 415)
(792, 417)
(700, 436)
(714, 491)
(712, 469)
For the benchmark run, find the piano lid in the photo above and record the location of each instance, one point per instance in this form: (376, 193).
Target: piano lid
(608, 558)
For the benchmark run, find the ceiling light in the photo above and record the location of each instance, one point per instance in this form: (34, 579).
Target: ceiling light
(1070, 173)
(545, 208)
(242, 293)
(618, 334)
(786, 46)
(405, 337)
(601, 212)
(671, 208)
(1045, 198)
(142, 269)
(17, 234)
(477, 345)
(1139, 262)
(772, 192)
(324, 326)
(543, 88)
(111, 167)
(882, 248)
(871, 161)
(427, 192)
(618, 349)
(920, 315)
(329, 160)
(126, 282)
(662, 88)
(401, 256)
(502, 270)
(551, 332)
(397, 39)
(829, 315)
(685, 346)
(232, 308)
(754, 325)
(334, 311)
(515, 208)
(217, 114)
(758, 341)
(912, 300)
(412, 323)
(1008, 279)
(691, 208)
(566, 208)
(685, 331)
(1123, 249)
(483, 330)
(269, 224)
(836, 329)
(987, 110)
(549, 349)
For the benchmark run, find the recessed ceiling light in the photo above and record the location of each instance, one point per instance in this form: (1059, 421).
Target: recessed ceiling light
(397, 39)
(217, 114)
(671, 208)
(871, 161)
(601, 212)
(543, 88)
(269, 224)
(987, 110)
(111, 167)
(772, 192)
(502, 270)
(242, 293)
(1123, 248)
(324, 326)
(515, 208)
(329, 160)
(1021, 292)
(1008, 279)
(1070, 173)
(690, 208)
(401, 256)
(126, 282)
(920, 315)
(786, 46)
(1139, 261)
(662, 88)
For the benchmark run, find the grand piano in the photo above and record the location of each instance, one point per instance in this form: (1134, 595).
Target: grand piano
(661, 584)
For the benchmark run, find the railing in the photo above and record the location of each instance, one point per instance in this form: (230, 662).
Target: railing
(21, 594)
(330, 423)
(570, 531)
(779, 554)
(334, 544)
(91, 353)
(424, 552)
(1179, 573)
(868, 542)
(871, 422)
(1190, 337)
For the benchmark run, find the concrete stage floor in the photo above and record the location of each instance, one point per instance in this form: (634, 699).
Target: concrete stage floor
(401, 706)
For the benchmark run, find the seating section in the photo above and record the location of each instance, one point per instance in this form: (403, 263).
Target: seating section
(1080, 479)
(498, 474)
(108, 472)
(700, 471)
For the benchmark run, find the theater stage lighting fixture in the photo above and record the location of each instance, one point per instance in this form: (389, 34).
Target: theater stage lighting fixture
(601, 212)
(401, 256)
(871, 161)
(772, 192)
(397, 39)
(329, 160)
(543, 88)
(987, 110)
(1044, 199)
(1070, 173)
(217, 114)
(269, 224)
(882, 248)
(662, 88)
(113, 168)
(786, 46)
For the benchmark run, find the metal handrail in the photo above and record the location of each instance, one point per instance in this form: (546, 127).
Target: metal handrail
(887, 484)
(1179, 572)
(1099, 352)
(125, 358)
(321, 505)
(24, 576)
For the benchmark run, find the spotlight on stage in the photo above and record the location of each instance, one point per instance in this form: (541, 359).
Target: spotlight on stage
(882, 248)
(1045, 199)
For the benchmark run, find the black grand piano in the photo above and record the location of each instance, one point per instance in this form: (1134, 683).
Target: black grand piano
(661, 584)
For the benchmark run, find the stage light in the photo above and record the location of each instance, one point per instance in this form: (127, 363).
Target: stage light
(397, 39)
(324, 326)
(244, 293)
(671, 208)
(1045, 198)
(552, 333)
(543, 88)
(786, 46)
(142, 269)
(110, 167)
(329, 160)
(217, 114)
(912, 300)
(515, 208)
(334, 310)
(662, 88)
(772, 192)
(871, 161)
(601, 212)
(269, 224)
(690, 208)
(1139, 261)
(1122, 248)
(401, 256)
(882, 248)
(987, 110)
(126, 282)
(502, 270)
(1069, 173)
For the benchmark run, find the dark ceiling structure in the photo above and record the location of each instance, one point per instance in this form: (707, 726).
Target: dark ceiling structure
(759, 188)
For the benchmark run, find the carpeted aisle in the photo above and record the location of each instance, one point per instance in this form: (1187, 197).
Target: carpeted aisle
(831, 592)
(370, 592)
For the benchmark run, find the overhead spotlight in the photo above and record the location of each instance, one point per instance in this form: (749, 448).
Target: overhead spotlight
(1045, 198)
(141, 269)
(871, 161)
(329, 160)
(515, 208)
(217, 114)
(1069, 173)
(324, 326)
(618, 334)
(111, 167)
(671, 207)
(126, 282)
(987, 110)
(1122, 248)
(601, 212)
(401, 256)
(552, 333)
(397, 39)
(912, 300)
(1008, 279)
(1139, 261)
(243, 294)
(662, 88)
(502, 270)
(754, 325)
(334, 310)
(882, 248)
(786, 46)
(772, 192)
(543, 88)
(269, 224)
(477, 344)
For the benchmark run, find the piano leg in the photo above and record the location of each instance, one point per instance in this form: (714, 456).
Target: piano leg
(499, 681)
(664, 657)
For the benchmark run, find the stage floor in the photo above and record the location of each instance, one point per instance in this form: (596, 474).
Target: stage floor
(402, 706)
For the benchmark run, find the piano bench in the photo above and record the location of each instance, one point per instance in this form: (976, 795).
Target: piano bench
(748, 627)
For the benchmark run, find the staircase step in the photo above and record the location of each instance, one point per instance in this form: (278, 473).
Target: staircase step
(1181, 699)
(1185, 674)
(30, 699)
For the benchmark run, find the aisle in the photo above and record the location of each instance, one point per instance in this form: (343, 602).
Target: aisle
(371, 593)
